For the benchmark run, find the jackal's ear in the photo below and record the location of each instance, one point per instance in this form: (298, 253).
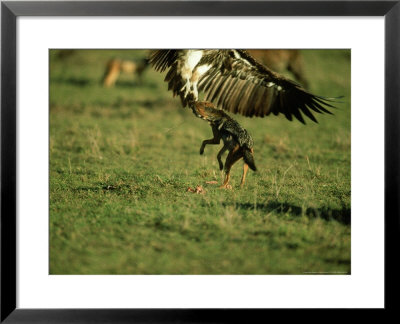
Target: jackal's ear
(199, 107)
(199, 104)
(209, 104)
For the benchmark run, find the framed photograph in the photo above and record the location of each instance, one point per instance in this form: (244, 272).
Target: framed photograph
(110, 214)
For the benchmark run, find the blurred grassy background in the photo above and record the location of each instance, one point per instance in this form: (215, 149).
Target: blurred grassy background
(122, 158)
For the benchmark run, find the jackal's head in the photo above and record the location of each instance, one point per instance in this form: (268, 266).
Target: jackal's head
(207, 111)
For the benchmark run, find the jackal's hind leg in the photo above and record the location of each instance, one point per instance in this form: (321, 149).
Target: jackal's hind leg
(235, 155)
(245, 168)
(215, 140)
(219, 156)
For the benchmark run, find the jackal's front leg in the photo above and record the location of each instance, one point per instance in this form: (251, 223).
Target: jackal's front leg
(215, 140)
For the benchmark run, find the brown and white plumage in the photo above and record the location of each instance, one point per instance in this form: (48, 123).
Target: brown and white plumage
(236, 82)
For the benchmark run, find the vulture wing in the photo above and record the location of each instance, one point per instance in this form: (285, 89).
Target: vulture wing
(251, 89)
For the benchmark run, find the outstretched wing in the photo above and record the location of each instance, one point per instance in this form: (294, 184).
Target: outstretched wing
(236, 82)
(251, 89)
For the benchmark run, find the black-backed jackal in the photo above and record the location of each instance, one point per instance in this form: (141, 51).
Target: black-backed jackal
(237, 141)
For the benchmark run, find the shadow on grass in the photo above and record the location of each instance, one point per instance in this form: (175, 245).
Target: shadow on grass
(342, 215)
(78, 82)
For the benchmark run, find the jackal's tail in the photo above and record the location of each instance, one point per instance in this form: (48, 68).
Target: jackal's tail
(249, 158)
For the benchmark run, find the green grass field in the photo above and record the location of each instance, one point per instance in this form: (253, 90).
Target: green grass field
(122, 159)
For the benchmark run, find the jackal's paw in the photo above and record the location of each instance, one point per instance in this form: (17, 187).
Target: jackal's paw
(221, 166)
(201, 151)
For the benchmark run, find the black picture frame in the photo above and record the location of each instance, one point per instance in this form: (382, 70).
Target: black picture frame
(9, 13)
